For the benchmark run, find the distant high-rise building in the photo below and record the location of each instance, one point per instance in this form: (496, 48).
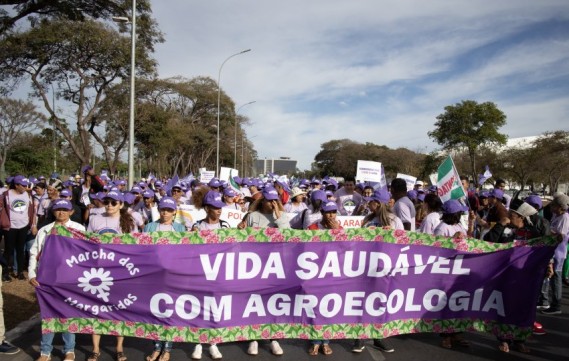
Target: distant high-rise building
(281, 166)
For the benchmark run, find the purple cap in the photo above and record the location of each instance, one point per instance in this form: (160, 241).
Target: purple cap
(168, 202)
(453, 206)
(158, 184)
(214, 183)
(380, 195)
(120, 182)
(213, 199)
(412, 194)
(315, 181)
(99, 195)
(135, 189)
(329, 193)
(65, 193)
(148, 193)
(270, 194)
(142, 185)
(329, 207)
(433, 189)
(62, 204)
(116, 195)
(534, 200)
(86, 168)
(21, 180)
(331, 182)
(319, 195)
(497, 193)
(129, 198)
(229, 192)
(484, 194)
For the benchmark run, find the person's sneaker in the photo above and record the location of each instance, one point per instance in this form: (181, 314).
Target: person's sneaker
(197, 354)
(7, 348)
(549, 311)
(542, 307)
(44, 358)
(253, 349)
(69, 356)
(359, 346)
(276, 348)
(214, 352)
(384, 345)
(538, 331)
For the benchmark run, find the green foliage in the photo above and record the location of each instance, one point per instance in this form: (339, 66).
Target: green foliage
(340, 157)
(469, 125)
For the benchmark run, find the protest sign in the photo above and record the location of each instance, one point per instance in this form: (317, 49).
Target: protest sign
(206, 176)
(368, 171)
(235, 285)
(409, 179)
(448, 181)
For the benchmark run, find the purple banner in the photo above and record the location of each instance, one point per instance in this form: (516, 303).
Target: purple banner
(227, 285)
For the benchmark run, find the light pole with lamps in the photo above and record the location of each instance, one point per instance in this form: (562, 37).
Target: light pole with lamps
(132, 75)
(235, 138)
(219, 104)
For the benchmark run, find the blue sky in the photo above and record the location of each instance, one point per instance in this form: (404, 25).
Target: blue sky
(372, 71)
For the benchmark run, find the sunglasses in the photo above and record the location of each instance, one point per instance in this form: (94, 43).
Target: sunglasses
(111, 202)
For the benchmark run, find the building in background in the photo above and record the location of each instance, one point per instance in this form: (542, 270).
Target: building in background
(281, 166)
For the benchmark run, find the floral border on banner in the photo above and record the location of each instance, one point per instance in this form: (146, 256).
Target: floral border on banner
(293, 330)
(279, 331)
(265, 235)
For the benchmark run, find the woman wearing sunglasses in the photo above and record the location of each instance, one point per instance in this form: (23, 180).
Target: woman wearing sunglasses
(117, 220)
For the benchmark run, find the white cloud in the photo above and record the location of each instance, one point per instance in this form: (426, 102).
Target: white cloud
(377, 71)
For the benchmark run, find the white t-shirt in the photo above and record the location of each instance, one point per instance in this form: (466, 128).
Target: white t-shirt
(405, 210)
(448, 230)
(430, 222)
(18, 205)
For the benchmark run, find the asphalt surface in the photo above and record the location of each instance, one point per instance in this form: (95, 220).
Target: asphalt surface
(554, 346)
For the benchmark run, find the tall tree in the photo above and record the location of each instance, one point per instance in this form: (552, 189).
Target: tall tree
(552, 151)
(469, 125)
(80, 59)
(16, 118)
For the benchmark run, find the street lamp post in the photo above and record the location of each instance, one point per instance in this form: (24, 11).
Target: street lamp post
(235, 138)
(132, 76)
(219, 105)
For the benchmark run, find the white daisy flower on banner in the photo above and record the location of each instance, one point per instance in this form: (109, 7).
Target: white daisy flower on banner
(97, 281)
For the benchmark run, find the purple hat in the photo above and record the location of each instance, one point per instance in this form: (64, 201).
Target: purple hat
(380, 195)
(120, 182)
(319, 195)
(142, 185)
(148, 193)
(86, 168)
(68, 183)
(229, 192)
(135, 189)
(329, 193)
(534, 200)
(129, 198)
(62, 204)
(315, 181)
(284, 185)
(484, 194)
(214, 183)
(65, 193)
(99, 195)
(116, 195)
(213, 199)
(237, 180)
(412, 194)
(329, 207)
(270, 193)
(332, 182)
(21, 180)
(453, 206)
(168, 202)
(433, 189)
(497, 193)
(421, 196)
(158, 184)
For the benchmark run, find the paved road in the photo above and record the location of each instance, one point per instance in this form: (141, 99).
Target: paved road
(554, 346)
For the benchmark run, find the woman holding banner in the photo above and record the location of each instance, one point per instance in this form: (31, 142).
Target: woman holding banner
(450, 226)
(329, 221)
(115, 220)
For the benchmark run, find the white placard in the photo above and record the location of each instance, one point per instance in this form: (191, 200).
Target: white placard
(368, 171)
(206, 176)
(409, 179)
